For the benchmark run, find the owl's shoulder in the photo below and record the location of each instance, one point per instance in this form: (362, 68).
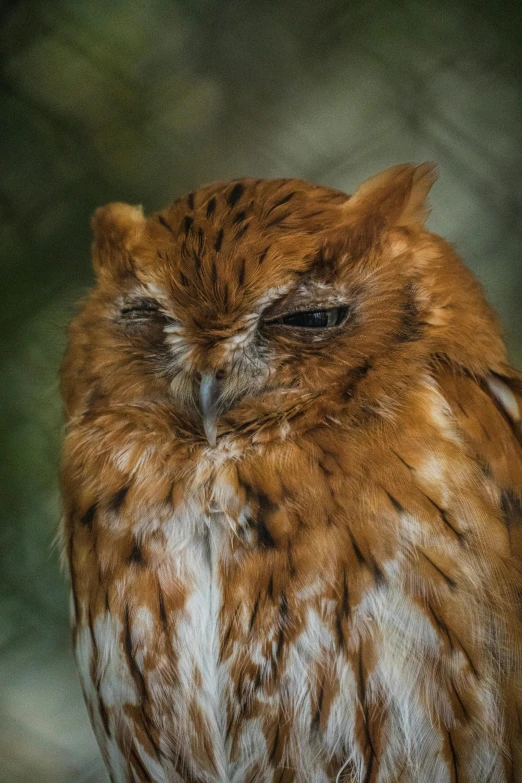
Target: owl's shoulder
(488, 414)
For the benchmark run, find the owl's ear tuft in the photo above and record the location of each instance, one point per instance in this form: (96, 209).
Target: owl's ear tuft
(117, 229)
(397, 194)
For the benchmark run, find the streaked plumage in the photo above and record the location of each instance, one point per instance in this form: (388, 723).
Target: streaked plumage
(295, 552)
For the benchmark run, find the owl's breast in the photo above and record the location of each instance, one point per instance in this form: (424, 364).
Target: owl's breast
(287, 610)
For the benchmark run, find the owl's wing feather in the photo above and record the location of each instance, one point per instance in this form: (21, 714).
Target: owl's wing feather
(489, 411)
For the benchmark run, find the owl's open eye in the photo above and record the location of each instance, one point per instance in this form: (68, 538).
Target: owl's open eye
(312, 319)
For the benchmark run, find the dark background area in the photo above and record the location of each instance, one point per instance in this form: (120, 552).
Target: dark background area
(111, 100)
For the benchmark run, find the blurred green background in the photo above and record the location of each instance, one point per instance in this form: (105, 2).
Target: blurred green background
(111, 100)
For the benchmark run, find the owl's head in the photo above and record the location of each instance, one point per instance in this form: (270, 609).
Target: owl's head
(257, 303)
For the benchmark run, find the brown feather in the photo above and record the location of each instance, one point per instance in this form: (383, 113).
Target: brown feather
(332, 591)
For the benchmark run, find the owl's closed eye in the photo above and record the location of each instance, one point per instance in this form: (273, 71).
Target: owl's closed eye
(292, 488)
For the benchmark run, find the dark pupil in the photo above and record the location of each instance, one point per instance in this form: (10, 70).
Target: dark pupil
(318, 319)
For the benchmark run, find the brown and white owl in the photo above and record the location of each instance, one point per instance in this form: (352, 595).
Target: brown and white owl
(292, 483)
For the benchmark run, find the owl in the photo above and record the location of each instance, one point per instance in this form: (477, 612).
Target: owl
(292, 492)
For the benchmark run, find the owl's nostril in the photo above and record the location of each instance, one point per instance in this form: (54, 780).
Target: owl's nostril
(219, 375)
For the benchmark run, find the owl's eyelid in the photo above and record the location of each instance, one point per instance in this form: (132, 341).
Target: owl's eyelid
(140, 306)
(139, 309)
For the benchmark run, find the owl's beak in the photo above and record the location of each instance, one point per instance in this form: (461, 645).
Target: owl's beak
(209, 391)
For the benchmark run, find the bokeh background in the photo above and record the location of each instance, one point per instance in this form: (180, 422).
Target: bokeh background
(141, 101)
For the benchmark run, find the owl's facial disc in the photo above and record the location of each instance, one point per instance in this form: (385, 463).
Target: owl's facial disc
(249, 358)
(213, 383)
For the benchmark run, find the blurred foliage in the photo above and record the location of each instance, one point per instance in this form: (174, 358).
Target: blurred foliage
(143, 101)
